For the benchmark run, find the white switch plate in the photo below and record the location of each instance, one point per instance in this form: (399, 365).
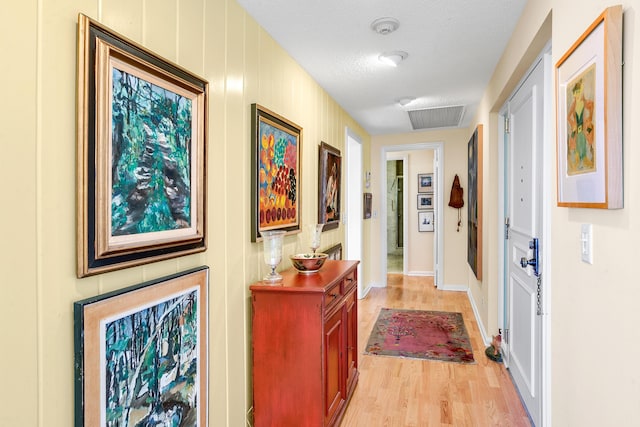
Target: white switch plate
(586, 243)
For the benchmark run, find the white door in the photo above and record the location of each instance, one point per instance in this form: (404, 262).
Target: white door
(524, 156)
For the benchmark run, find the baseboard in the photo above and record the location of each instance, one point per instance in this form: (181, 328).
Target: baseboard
(454, 288)
(421, 273)
(476, 313)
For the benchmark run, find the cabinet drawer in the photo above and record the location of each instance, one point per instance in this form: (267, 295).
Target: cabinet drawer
(332, 296)
(349, 281)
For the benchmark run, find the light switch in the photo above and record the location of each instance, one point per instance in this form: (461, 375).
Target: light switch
(586, 243)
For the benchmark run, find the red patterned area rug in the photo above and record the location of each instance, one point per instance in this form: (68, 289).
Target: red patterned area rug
(418, 334)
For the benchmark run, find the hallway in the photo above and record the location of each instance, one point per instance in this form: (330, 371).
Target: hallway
(396, 392)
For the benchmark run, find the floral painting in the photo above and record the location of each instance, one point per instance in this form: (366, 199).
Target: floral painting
(581, 149)
(277, 168)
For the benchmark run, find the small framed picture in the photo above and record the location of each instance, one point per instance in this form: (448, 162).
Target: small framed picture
(367, 205)
(425, 182)
(425, 221)
(334, 252)
(425, 201)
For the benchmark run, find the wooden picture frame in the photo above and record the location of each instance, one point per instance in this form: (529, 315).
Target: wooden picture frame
(334, 252)
(275, 180)
(589, 117)
(141, 353)
(329, 186)
(141, 164)
(425, 221)
(426, 201)
(474, 203)
(425, 183)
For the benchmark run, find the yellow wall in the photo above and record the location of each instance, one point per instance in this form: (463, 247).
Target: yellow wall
(593, 311)
(215, 39)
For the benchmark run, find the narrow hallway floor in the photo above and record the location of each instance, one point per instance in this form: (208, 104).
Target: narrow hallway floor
(397, 392)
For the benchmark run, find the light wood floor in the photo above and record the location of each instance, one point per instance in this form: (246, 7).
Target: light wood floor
(396, 392)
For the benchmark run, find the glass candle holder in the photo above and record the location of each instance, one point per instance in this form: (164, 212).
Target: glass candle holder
(272, 245)
(316, 233)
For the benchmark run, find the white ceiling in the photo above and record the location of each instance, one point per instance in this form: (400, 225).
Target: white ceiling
(453, 47)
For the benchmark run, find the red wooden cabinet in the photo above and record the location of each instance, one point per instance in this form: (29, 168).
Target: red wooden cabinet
(305, 334)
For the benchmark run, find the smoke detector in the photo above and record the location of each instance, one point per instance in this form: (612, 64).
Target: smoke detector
(385, 26)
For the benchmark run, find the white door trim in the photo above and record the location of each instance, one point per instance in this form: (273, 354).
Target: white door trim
(439, 149)
(354, 223)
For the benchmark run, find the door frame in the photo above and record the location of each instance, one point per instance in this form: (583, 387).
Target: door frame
(548, 170)
(438, 148)
(353, 197)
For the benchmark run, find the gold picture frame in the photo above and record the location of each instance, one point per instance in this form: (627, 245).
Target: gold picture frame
(589, 117)
(141, 142)
(276, 179)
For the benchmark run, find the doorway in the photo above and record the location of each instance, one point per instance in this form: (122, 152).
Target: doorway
(525, 184)
(395, 214)
(434, 252)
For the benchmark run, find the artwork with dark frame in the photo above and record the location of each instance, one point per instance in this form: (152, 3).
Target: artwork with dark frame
(425, 183)
(366, 206)
(589, 117)
(474, 203)
(276, 151)
(334, 252)
(141, 164)
(329, 172)
(425, 221)
(141, 353)
(425, 201)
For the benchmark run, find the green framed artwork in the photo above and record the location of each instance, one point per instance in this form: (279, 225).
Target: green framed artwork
(141, 354)
(474, 202)
(141, 142)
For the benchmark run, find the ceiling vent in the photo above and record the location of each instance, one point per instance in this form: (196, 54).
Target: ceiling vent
(439, 117)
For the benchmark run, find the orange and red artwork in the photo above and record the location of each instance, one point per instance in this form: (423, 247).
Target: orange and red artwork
(278, 176)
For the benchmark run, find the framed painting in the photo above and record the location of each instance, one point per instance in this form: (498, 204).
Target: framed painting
(329, 172)
(141, 141)
(589, 117)
(141, 354)
(425, 183)
(425, 201)
(334, 252)
(366, 205)
(474, 203)
(277, 145)
(425, 221)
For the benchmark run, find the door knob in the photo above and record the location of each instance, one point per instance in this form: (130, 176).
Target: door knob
(533, 262)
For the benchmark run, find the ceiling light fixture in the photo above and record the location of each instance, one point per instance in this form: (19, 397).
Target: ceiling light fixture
(405, 101)
(385, 26)
(393, 58)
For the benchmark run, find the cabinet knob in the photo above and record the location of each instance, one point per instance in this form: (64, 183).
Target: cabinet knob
(333, 295)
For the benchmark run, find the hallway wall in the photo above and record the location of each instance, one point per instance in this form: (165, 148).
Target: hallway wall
(591, 305)
(213, 38)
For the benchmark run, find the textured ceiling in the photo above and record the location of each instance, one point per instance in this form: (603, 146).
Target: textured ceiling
(453, 48)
